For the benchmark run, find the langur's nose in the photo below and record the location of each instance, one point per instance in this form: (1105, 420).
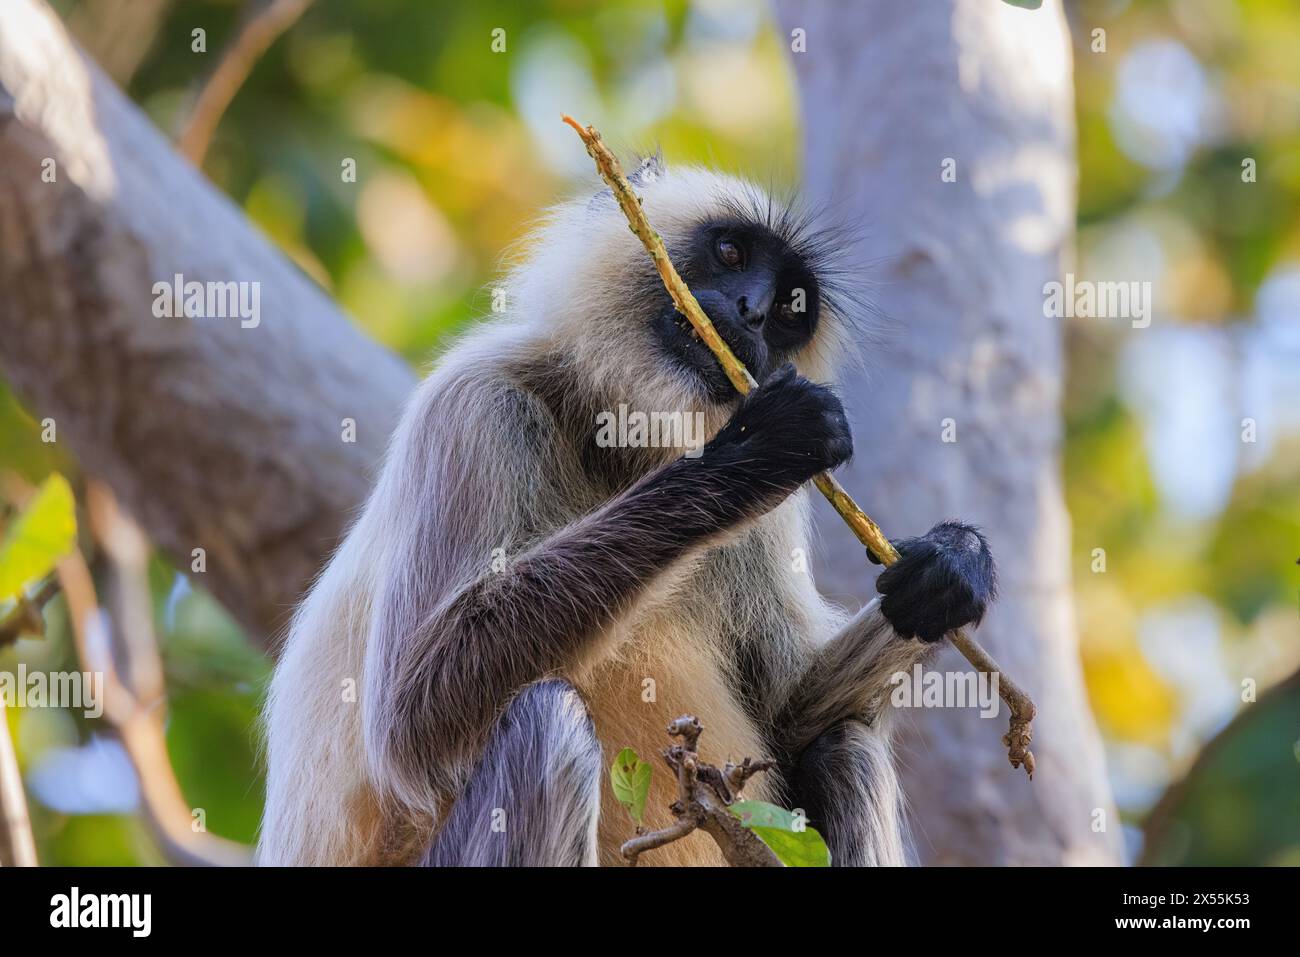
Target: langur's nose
(754, 307)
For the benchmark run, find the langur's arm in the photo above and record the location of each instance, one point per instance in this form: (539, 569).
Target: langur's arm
(443, 661)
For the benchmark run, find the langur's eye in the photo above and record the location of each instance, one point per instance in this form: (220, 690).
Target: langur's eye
(785, 311)
(730, 254)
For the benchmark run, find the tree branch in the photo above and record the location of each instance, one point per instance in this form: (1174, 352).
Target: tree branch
(137, 713)
(212, 435)
(259, 30)
(704, 794)
(868, 532)
(17, 848)
(27, 616)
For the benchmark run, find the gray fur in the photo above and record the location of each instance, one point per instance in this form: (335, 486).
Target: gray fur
(534, 797)
(844, 782)
(848, 677)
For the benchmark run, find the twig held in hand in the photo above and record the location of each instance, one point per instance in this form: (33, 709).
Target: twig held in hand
(868, 532)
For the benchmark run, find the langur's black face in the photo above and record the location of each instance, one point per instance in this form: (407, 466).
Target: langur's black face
(759, 292)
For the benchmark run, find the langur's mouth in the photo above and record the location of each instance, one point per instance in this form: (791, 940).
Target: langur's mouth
(681, 345)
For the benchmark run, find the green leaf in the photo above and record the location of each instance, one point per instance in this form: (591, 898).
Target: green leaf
(43, 533)
(630, 777)
(1027, 4)
(793, 842)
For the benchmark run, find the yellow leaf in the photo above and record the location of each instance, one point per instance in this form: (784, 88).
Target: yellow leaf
(42, 534)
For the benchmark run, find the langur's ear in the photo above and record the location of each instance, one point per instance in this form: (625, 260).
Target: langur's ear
(649, 169)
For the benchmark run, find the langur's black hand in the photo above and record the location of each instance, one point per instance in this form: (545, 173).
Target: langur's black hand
(787, 430)
(940, 582)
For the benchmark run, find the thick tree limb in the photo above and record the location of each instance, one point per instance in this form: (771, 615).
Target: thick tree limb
(868, 532)
(948, 126)
(212, 435)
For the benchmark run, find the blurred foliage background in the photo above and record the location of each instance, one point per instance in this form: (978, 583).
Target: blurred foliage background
(1186, 523)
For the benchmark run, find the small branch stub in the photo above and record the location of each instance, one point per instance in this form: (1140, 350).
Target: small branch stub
(26, 618)
(868, 532)
(704, 796)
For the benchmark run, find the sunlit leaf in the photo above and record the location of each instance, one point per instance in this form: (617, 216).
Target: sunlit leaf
(42, 534)
(793, 842)
(630, 777)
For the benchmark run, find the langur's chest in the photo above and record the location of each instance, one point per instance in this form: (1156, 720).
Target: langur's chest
(668, 665)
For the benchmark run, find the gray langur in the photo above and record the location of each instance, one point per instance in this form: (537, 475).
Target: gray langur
(517, 601)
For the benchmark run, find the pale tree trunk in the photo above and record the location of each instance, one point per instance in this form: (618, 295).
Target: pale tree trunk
(890, 92)
(214, 435)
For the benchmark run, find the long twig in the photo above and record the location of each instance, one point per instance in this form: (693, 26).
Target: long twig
(868, 532)
(136, 713)
(137, 710)
(256, 35)
(704, 794)
(17, 848)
